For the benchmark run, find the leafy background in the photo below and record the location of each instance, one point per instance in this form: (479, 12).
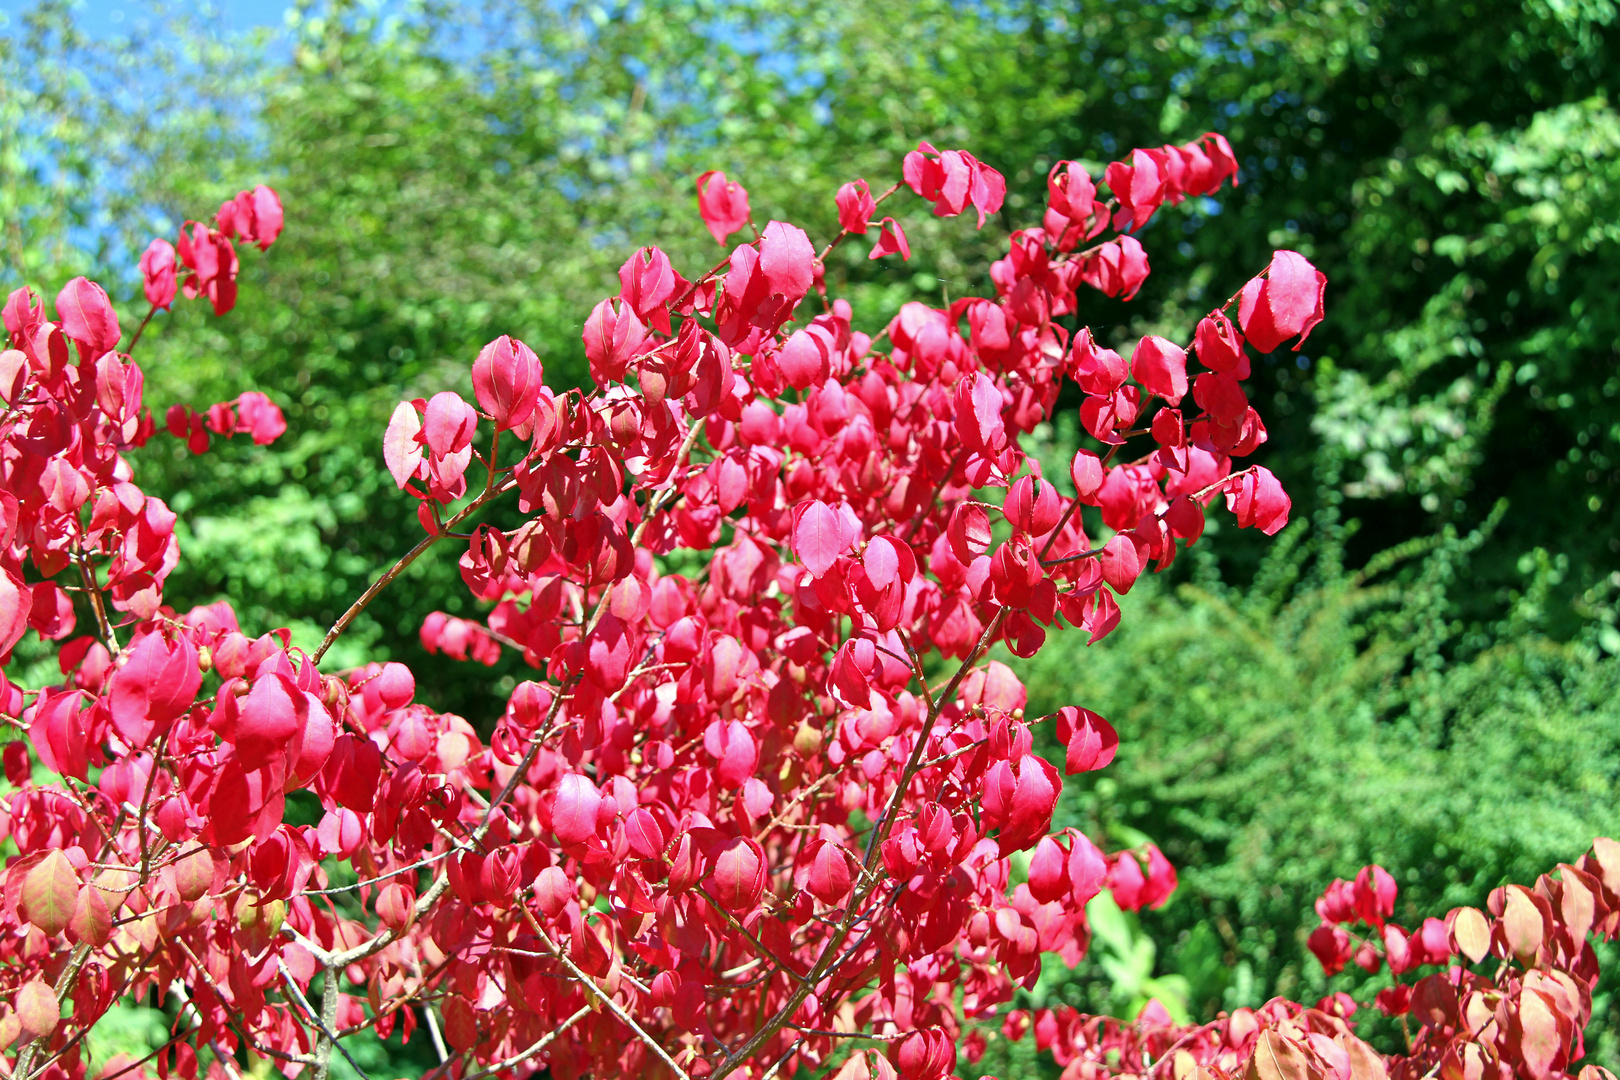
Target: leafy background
(1421, 672)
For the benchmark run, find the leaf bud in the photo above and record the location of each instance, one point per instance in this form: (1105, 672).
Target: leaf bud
(807, 739)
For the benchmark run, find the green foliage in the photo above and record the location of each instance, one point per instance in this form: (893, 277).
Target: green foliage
(127, 1028)
(1276, 737)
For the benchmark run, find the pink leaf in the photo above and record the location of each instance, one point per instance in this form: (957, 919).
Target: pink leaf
(820, 536)
(723, 205)
(573, 812)
(402, 451)
(88, 317)
(1160, 366)
(157, 683)
(739, 875)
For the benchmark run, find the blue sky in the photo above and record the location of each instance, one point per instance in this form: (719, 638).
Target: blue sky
(106, 18)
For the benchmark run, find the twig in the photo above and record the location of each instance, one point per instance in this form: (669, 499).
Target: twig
(922, 512)
(328, 1004)
(425, 902)
(601, 995)
(844, 233)
(63, 987)
(97, 604)
(141, 329)
(797, 799)
(418, 865)
(1092, 554)
(1074, 505)
(399, 567)
(880, 831)
(432, 1022)
(770, 1073)
(917, 669)
(146, 802)
(544, 1041)
(137, 1064)
(752, 938)
(226, 1062)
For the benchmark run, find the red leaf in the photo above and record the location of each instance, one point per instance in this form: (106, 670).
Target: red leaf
(1088, 870)
(50, 892)
(1019, 802)
(968, 532)
(88, 317)
(37, 1010)
(1286, 302)
(1087, 473)
(156, 685)
(1091, 740)
(402, 452)
(554, 889)
(829, 877)
(645, 836)
(270, 714)
(1121, 561)
(739, 875)
(820, 536)
(460, 1024)
(573, 813)
(1048, 871)
(1294, 293)
(1160, 367)
(1258, 500)
(16, 600)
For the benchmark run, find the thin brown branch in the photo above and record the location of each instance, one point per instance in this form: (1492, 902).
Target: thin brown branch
(922, 511)
(544, 1041)
(590, 987)
(399, 567)
(880, 831)
(141, 329)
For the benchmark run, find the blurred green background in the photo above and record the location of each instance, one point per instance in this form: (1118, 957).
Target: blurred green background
(1419, 671)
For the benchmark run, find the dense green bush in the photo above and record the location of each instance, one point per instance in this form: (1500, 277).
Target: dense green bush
(1278, 736)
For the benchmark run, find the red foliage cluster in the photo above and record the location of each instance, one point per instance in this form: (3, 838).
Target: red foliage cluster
(739, 817)
(1523, 1017)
